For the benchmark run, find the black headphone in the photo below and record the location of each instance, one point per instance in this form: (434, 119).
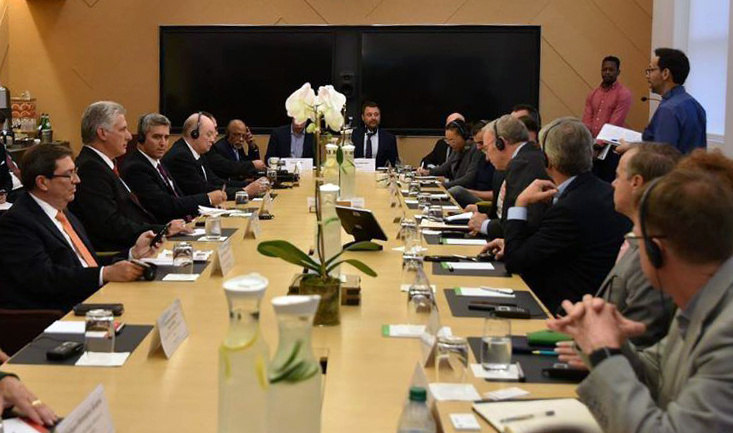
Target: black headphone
(460, 125)
(140, 132)
(653, 252)
(498, 141)
(195, 132)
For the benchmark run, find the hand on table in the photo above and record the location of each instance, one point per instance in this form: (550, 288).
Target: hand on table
(122, 271)
(178, 226)
(495, 247)
(217, 197)
(476, 221)
(259, 164)
(471, 208)
(14, 393)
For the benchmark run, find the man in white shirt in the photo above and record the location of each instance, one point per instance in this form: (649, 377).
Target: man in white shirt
(46, 258)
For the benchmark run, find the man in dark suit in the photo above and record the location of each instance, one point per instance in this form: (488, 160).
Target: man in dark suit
(507, 147)
(150, 180)
(191, 171)
(227, 158)
(46, 258)
(290, 141)
(373, 141)
(441, 151)
(578, 237)
(112, 215)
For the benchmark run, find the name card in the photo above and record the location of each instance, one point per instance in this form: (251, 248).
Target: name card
(351, 202)
(223, 261)
(91, 416)
(266, 207)
(253, 229)
(170, 330)
(365, 164)
(305, 164)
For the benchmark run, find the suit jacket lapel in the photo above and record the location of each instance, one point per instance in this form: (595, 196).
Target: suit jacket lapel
(46, 222)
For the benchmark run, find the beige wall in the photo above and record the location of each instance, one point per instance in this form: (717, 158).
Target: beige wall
(70, 53)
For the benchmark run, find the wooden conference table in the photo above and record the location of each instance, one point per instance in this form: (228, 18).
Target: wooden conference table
(368, 374)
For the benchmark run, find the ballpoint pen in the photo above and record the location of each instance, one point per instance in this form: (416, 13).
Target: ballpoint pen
(497, 290)
(527, 416)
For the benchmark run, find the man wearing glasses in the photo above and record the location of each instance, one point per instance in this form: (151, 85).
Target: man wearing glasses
(679, 119)
(46, 258)
(236, 155)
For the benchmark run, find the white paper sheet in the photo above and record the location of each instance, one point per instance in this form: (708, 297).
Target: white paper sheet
(469, 266)
(100, 359)
(460, 216)
(454, 392)
(181, 277)
(459, 241)
(404, 331)
(477, 291)
(613, 134)
(511, 373)
(66, 327)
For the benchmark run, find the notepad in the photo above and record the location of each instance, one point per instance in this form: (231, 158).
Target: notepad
(479, 292)
(468, 266)
(569, 414)
(459, 241)
(460, 216)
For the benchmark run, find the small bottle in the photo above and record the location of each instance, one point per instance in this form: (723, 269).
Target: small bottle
(416, 417)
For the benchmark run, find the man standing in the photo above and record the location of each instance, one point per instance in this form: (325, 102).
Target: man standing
(441, 151)
(683, 383)
(191, 171)
(679, 120)
(608, 103)
(374, 142)
(46, 259)
(567, 254)
(151, 181)
(290, 141)
(227, 157)
(113, 216)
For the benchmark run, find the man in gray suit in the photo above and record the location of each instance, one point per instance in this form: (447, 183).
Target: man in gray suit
(626, 286)
(683, 383)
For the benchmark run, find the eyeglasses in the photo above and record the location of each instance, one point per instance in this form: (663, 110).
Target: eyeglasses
(631, 237)
(69, 174)
(648, 71)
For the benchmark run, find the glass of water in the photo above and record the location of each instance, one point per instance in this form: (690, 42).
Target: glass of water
(99, 331)
(451, 359)
(496, 344)
(241, 198)
(183, 257)
(213, 227)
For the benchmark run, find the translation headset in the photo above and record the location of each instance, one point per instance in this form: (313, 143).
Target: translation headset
(498, 141)
(460, 126)
(195, 132)
(140, 132)
(544, 140)
(653, 252)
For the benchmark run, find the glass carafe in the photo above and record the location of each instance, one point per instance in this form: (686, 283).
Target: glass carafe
(243, 358)
(330, 225)
(348, 169)
(295, 375)
(420, 299)
(331, 165)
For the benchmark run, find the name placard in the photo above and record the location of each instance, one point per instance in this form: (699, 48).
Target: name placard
(253, 229)
(365, 164)
(170, 330)
(223, 260)
(306, 164)
(91, 416)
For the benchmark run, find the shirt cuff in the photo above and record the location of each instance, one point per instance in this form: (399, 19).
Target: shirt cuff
(101, 274)
(485, 227)
(517, 213)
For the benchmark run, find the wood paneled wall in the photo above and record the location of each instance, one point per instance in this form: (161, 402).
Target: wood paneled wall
(70, 53)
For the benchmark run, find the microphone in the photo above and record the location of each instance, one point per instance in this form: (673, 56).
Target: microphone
(645, 98)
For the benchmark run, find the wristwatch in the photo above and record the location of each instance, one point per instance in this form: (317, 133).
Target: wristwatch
(597, 356)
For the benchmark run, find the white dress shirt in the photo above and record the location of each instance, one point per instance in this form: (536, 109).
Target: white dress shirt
(196, 156)
(375, 143)
(110, 163)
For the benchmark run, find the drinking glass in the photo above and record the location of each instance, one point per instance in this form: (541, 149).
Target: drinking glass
(241, 198)
(99, 331)
(213, 226)
(451, 359)
(496, 344)
(183, 257)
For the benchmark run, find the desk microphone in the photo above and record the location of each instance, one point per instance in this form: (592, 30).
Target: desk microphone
(645, 98)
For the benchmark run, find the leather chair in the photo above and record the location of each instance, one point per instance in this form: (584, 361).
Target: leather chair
(20, 327)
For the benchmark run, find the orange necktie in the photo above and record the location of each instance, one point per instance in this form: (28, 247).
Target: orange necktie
(78, 244)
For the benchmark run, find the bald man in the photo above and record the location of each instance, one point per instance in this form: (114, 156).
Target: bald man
(236, 155)
(441, 150)
(191, 171)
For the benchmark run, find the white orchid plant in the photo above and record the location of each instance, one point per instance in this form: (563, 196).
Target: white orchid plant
(328, 107)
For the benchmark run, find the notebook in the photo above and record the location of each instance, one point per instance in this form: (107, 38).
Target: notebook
(535, 416)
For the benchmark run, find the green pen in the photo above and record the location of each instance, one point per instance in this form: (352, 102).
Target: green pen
(544, 352)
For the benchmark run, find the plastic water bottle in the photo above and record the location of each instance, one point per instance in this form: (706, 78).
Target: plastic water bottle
(416, 417)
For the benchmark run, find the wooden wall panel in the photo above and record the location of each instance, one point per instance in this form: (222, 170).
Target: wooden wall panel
(4, 43)
(73, 52)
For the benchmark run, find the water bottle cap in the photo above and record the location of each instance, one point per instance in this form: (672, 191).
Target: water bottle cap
(418, 393)
(250, 285)
(301, 305)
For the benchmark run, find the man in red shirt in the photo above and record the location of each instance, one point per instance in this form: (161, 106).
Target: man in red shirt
(608, 103)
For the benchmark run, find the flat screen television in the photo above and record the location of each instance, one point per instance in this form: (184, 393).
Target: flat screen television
(417, 74)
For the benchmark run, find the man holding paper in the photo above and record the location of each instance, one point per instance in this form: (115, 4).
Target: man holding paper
(683, 383)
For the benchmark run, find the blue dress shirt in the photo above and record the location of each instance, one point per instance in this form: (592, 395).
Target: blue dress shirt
(679, 120)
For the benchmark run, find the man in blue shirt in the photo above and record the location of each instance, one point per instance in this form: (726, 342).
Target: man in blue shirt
(679, 119)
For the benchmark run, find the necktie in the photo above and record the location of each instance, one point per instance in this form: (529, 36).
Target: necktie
(368, 151)
(203, 170)
(12, 166)
(500, 200)
(81, 249)
(163, 172)
(133, 197)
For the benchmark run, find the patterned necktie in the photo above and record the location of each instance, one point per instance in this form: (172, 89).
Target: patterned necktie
(368, 151)
(81, 249)
(500, 200)
(167, 179)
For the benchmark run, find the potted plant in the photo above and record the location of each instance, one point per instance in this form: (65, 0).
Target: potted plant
(328, 106)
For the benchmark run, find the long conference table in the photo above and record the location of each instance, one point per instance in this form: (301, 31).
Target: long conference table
(368, 375)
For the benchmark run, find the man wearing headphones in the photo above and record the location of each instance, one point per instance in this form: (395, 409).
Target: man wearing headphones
(191, 171)
(462, 165)
(505, 144)
(578, 237)
(441, 151)
(151, 181)
(227, 157)
(683, 383)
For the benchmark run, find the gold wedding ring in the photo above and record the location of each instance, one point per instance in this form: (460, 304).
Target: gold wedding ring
(36, 403)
